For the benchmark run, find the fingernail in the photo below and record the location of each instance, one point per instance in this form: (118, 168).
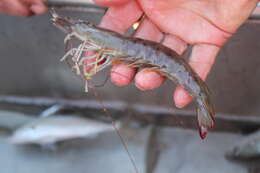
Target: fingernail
(181, 98)
(38, 9)
(139, 87)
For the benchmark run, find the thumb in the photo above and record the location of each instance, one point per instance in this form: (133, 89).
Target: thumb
(38, 6)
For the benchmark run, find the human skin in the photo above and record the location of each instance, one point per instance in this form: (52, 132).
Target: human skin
(22, 7)
(206, 24)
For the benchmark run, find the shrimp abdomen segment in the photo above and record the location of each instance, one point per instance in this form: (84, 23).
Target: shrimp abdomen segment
(184, 76)
(169, 64)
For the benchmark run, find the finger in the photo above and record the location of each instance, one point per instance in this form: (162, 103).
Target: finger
(175, 43)
(122, 74)
(179, 46)
(111, 2)
(148, 31)
(38, 7)
(202, 59)
(148, 79)
(120, 18)
(145, 79)
(15, 8)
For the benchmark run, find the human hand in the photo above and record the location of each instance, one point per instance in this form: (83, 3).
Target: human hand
(22, 7)
(205, 24)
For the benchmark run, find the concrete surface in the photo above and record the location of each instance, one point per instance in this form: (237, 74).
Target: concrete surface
(181, 151)
(184, 152)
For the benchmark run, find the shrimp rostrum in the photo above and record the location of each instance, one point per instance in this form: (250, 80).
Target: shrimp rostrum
(110, 47)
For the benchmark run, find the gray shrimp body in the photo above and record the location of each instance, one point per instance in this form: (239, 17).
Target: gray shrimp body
(144, 53)
(175, 68)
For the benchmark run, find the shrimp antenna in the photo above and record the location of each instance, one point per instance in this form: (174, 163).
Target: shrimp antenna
(53, 12)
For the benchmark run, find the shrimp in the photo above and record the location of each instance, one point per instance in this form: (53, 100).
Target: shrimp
(111, 47)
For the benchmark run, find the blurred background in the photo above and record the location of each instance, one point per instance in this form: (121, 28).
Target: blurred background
(160, 137)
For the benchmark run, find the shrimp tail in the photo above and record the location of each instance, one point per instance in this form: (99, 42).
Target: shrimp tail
(205, 115)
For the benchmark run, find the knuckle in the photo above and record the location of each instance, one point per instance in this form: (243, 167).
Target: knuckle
(25, 13)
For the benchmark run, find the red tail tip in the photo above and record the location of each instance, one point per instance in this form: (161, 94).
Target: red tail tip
(203, 132)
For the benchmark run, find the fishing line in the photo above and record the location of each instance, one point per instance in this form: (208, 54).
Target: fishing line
(117, 131)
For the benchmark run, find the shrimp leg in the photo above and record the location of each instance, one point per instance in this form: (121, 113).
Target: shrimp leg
(69, 53)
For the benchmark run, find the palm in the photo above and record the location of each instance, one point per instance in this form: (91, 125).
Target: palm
(212, 22)
(183, 21)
